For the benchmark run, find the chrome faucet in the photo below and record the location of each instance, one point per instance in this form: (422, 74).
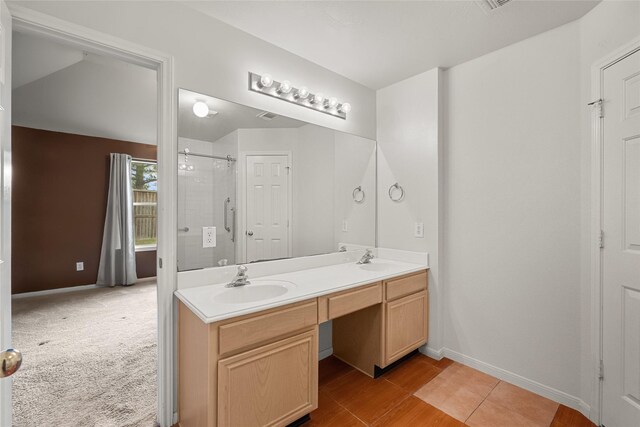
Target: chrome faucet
(241, 278)
(367, 257)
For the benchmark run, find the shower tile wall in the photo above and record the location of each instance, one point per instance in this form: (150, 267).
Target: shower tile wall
(201, 195)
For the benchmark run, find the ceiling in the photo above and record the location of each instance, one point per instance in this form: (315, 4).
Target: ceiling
(61, 88)
(35, 58)
(230, 116)
(377, 43)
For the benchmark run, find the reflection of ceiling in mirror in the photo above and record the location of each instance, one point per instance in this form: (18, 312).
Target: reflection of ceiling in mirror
(230, 116)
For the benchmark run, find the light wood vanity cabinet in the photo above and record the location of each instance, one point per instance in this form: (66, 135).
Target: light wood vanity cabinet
(405, 326)
(270, 386)
(262, 369)
(255, 370)
(406, 316)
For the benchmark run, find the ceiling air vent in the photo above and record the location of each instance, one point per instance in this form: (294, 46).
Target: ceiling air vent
(265, 115)
(489, 5)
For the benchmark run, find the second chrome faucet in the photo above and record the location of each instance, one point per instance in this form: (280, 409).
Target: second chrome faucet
(367, 257)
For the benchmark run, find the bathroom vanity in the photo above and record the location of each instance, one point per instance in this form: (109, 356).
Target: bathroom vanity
(248, 355)
(247, 358)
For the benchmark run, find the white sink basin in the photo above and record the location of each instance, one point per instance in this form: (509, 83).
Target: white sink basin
(257, 290)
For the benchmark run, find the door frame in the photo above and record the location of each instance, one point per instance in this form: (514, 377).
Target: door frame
(241, 248)
(597, 205)
(26, 19)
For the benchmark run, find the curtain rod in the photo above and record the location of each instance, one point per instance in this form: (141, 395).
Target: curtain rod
(209, 156)
(144, 160)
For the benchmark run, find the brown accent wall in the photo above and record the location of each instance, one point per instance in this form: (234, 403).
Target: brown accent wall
(60, 184)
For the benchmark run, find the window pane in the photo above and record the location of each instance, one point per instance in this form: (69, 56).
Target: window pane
(144, 177)
(145, 224)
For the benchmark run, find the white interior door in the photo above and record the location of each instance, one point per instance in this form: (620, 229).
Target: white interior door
(621, 254)
(267, 207)
(5, 205)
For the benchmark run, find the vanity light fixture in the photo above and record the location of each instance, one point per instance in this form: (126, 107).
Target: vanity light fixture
(284, 90)
(301, 93)
(266, 81)
(317, 99)
(284, 87)
(331, 103)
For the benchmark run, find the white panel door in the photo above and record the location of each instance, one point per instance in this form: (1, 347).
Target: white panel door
(267, 205)
(621, 254)
(5, 205)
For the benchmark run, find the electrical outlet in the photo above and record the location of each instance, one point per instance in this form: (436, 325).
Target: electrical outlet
(208, 237)
(80, 266)
(345, 225)
(418, 230)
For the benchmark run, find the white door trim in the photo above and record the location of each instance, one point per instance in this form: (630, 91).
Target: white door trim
(96, 42)
(241, 248)
(597, 170)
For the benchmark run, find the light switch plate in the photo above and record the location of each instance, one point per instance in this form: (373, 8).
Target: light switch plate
(208, 237)
(418, 230)
(80, 266)
(345, 225)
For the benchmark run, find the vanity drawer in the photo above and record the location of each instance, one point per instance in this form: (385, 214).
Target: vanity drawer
(262, 328)
(407, 285)
(350, 301)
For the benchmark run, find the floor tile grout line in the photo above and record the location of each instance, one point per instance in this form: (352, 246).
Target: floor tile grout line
(507, 408)
(480, 404)
(392, 408)
(346, 409)
(409, 394)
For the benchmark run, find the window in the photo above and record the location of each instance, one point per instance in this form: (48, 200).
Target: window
(144, 179)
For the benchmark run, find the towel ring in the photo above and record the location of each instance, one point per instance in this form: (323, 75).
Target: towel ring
(391, 192)
(358, 195)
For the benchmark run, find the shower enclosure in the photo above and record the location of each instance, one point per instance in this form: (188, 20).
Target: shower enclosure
(206, 198)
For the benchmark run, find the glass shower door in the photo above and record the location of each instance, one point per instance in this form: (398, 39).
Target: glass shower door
(206, 198)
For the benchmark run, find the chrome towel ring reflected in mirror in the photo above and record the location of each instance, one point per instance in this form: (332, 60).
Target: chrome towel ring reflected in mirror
(393, 192)
(358, 195)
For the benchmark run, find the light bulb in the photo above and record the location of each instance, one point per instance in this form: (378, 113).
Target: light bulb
(201, 109)
(265, 81)
(331, 102)
(345, 107)
(182, 166)
(317, 99)
(302, 93)
(285, 87)
(191, 167)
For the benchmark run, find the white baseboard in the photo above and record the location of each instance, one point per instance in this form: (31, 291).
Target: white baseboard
(515, 379)
(432, 353)
(54, 291)
(325, 353)
(71, 289)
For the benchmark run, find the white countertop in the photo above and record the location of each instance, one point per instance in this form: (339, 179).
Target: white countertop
(309, 283)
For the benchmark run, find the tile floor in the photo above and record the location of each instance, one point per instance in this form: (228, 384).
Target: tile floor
(425, 392)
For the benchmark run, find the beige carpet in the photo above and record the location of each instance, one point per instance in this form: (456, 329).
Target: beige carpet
(89, 358)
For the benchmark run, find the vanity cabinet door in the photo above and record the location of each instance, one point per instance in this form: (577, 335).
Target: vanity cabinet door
(405, 325)
(272, 385)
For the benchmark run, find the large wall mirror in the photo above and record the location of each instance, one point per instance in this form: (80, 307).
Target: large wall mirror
(254, 186)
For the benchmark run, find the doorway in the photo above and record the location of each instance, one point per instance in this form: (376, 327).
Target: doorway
(94, 42)
(74, 292)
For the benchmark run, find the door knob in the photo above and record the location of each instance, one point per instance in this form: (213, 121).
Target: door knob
(249, 233)
(11, 361)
